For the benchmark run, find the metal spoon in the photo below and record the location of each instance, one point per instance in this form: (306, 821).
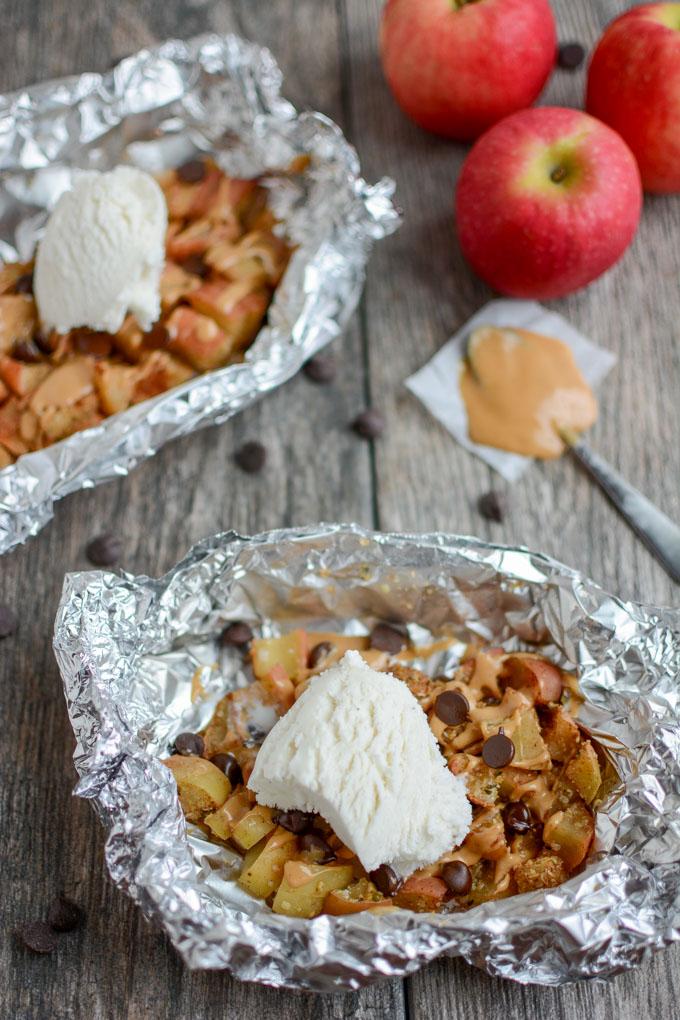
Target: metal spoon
(658, 532)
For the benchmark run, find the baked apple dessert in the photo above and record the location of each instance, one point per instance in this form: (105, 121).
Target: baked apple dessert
(223, 264)
(502, 723)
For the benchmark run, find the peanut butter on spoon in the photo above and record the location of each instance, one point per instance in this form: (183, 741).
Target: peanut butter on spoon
(520, 389)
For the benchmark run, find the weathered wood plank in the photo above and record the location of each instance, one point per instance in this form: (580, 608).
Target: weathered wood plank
(119, 967)
(419, 290)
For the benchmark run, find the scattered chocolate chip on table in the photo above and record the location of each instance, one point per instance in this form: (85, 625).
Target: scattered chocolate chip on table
(370, 424)
(105, 550)
(251, 457)
(321, 368)
(570, 56)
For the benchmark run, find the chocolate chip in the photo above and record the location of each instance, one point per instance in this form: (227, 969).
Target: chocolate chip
(492, 506)
(196, 265)
(385, 879)
(27, 351)
(318, 654)
(192, 172)
(458, 877)
(321, 368)
(498, 751)
(24, 284)
(570, 56)
(251, 457)
(37, 936)
(64, 914)
(295, 821)
(387, 639)
(517, 818)
(230, 766)
(236, 635)
(8, 621)
(369, 424)
(189, 744)
(94, 342)
(452, 708)
(47, 344)
(315, 844)
(104, 551)
(157, 337)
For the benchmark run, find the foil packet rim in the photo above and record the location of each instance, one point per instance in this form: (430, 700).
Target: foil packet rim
(621, 883)
(52, 123)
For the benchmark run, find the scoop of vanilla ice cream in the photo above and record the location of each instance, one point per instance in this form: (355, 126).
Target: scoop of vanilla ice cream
(102, 253)
(357, 749)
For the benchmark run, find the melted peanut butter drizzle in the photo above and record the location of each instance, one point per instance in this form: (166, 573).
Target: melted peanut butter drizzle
(519, 388)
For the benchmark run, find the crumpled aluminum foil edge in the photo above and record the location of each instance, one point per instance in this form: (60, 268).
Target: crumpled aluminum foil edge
(127, 647)
(221, 94)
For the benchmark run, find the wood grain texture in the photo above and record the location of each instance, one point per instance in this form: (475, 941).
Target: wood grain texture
(419, 290)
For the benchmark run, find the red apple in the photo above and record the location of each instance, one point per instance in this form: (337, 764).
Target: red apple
(458, 66)
(547, 200)
(634, 86)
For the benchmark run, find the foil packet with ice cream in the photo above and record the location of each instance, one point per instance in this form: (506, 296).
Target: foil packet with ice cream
(141, 663)
(213, 95)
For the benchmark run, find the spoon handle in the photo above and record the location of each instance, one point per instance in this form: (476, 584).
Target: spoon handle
(657, 531)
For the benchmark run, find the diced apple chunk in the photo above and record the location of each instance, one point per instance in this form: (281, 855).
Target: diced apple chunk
(195, 239)
(560, 734)
(59, 422)
(305, 886)
(66, 385)
(289, 651)
(158, 372)
(262, 876)
(220, 300)
(18, 320)
(175, 284)
(360, 895)
(22, 378)
(202, 787)
(253, 827)
(199, 340)
(129, 340)
(280, 688)
(422, 893)
(583, 772)
(530, 750)
(189, 200)
(569, 833)
(115, 385)
(259, 255)
(223, 821)
(10, 428)
(539, 680)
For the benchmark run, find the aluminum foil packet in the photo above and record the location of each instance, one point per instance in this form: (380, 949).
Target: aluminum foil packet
(221, 95)
(128, 648)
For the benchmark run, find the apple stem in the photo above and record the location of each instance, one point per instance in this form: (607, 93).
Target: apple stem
(558, 175)
(458, 4)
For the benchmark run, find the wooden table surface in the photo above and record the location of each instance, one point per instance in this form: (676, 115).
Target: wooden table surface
(414, 478)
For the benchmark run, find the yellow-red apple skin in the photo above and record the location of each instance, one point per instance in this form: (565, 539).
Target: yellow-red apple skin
(456, 71)
(634, 86)
(530, 236)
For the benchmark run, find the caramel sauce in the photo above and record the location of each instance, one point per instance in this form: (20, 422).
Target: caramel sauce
(519, 387)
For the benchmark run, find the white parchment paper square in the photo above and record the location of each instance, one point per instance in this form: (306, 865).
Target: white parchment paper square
(437, 386)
